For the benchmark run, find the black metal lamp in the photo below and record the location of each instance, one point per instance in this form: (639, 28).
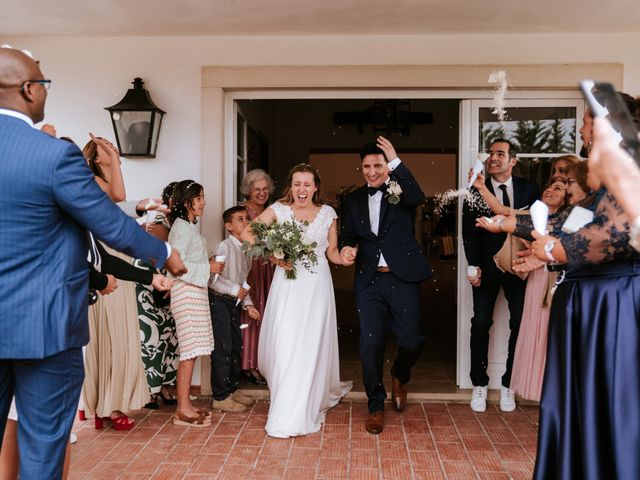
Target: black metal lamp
(136, 122)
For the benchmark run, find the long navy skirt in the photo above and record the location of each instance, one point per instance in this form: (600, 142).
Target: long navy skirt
(590, 407)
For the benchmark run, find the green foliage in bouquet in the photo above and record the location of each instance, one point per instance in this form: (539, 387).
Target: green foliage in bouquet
(284, 242)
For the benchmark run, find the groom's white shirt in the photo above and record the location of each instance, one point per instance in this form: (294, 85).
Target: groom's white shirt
(374, 209)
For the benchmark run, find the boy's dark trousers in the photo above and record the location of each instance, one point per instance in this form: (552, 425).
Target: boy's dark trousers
(227, 353)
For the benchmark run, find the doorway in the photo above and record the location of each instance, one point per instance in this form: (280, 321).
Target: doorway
(275, 134)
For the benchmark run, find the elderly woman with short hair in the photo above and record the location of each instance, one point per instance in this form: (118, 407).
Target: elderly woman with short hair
(256, 188)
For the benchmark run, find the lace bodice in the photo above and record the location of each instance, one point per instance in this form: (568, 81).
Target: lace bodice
(317, 230)
(605, 239)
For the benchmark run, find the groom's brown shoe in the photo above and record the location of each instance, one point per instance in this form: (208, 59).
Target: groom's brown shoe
(375, 422)
(398, 395)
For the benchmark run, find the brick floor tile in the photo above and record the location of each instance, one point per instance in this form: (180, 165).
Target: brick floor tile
(395, 450)
(513, 453)
(420, 442)
(277, 447)
(133, 476)
(304, 457)
(251, 438)
(170, 471)
(337, 431)
(478, 443)
(425, 461)
(439, 420)
(235, 471)
(435, 408)
(298, 473)
(413, 411)
(217, 445)
(486, 461)
(392, 433)
(494, 476)
(459, 470)
(452, 451)
(183, 454)
(332, 468)
(230, 429)
(243, 455)
(156, 420)
(428, 475)
(502, 435)
(105, 471)
(469, 427)
(445, 434)
(367, 459)
(313, 440)
(364, 474)
(196, 436)
(208, 464)
(123, 453)
(365, 440)
(416, 426)
(394, 469)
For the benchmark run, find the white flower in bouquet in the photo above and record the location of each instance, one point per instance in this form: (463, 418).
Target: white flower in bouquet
(279, 254)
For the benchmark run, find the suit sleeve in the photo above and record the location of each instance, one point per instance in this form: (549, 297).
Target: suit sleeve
(78, 194)
(97, 280)
(123, 270)
(412, 194)
(470, 235)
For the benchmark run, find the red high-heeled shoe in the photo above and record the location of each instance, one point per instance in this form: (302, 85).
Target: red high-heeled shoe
(117, 423)
(81, 416)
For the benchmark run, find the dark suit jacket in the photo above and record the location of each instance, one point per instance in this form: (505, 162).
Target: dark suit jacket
(396, 234)
(48, 200)
(480, 245)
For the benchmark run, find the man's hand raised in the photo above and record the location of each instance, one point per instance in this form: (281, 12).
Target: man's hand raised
(174, 264)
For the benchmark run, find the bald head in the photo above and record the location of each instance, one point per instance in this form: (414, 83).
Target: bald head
(17, 71)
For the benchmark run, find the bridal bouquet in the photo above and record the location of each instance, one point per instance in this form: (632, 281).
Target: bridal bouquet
(284, 242)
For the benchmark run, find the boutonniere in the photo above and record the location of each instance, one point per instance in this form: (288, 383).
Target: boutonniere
(393, 192)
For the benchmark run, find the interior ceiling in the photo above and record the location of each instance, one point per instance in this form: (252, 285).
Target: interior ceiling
(314, 17)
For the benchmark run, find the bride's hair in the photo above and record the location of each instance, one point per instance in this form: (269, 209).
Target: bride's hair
(287, 196)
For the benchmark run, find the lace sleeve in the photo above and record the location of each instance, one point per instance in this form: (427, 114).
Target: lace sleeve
(524, 227)
(606, 239)
(330, 214)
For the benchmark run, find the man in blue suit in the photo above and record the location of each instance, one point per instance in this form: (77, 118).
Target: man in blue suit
(48, 201)
(377, 231)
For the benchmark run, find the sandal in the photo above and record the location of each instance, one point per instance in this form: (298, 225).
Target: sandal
(121, 422)
(198, 422)
(167, 397)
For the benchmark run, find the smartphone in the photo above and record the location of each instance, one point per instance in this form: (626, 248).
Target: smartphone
(604, 101)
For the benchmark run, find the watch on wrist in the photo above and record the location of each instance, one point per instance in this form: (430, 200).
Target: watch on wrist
(548, 249)
(634, 234)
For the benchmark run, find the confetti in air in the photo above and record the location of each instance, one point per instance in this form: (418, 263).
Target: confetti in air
(499, 79)
(472, 198)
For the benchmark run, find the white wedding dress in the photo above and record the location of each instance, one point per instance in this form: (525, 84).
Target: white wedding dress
(298, 347)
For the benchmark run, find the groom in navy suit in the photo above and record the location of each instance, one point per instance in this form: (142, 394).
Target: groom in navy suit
(377, 231)
(48, 200)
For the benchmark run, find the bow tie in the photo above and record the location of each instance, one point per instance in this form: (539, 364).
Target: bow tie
(373, 190)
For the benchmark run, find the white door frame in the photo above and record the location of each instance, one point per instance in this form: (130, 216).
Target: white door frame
(470, 99)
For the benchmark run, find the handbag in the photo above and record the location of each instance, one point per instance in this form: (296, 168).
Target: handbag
(507, 254)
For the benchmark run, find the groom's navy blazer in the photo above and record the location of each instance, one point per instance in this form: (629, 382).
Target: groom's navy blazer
(396, 232)
(48, 200)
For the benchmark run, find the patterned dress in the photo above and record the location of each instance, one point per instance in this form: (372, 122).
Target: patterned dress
(189, 296)
(158, 340)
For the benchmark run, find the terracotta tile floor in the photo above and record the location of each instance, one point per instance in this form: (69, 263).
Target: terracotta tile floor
(427, 441)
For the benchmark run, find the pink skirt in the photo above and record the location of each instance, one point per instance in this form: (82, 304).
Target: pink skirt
(190, 309)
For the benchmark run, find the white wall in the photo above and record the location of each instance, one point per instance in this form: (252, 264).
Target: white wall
(90, 73)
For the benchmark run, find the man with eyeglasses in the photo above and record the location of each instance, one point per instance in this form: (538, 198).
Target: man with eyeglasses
(48, 201)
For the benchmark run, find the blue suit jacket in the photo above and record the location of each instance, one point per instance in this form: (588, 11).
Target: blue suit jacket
(396, 232)
(48, 200)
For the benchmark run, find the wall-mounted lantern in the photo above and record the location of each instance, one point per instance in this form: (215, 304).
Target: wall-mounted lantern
(136, 122)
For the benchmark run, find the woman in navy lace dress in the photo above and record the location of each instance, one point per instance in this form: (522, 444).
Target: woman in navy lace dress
(590, 412)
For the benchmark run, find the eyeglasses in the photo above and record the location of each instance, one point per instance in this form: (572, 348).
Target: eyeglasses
(45, 83)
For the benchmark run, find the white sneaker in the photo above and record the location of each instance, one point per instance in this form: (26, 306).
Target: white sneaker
(479, 399)
(507, 399)
(73, 438)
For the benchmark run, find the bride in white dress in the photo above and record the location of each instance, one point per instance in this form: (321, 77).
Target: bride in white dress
(298, 346)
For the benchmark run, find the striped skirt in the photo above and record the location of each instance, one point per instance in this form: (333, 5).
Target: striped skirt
(190, 309)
